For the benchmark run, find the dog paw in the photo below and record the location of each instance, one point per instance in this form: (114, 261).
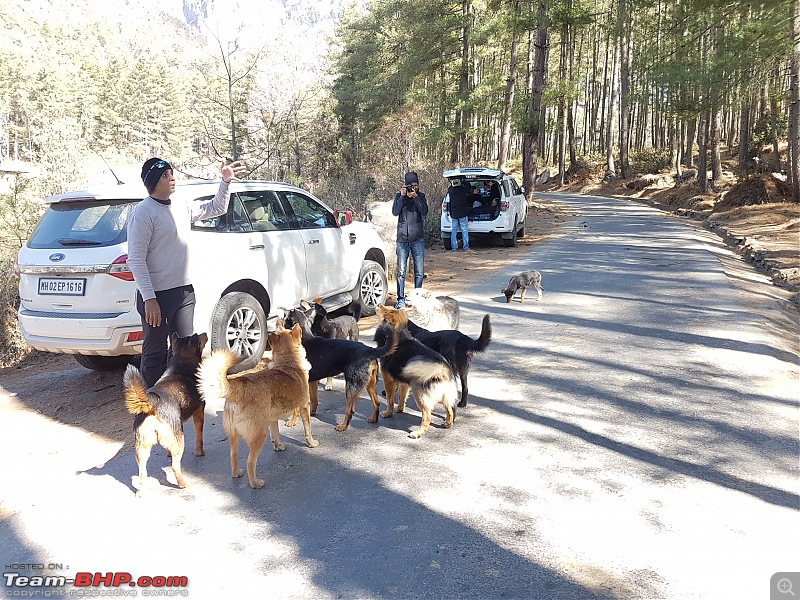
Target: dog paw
(291, 422)
(199, 452)
(372, 420)
(257, 484)
(341, 427)
(328, 388)
(237, 473)
(462, 403)
(387, 413)
(279, 447)
(415, 434)
(312, 443)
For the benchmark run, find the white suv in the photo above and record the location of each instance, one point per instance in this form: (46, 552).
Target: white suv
(502, 215)
(276, 245)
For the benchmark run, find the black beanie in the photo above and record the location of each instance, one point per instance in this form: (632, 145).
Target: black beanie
(152, 170)
(411, 177)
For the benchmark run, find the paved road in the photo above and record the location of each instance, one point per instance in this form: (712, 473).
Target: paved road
(633, 435)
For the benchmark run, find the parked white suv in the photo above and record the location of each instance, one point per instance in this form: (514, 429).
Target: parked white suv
(501, 214)
(276, 245)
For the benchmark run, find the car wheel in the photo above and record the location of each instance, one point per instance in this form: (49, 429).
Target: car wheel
(372, 287)
(102, 363)
(239, 324)
(512, 241)
(447, 243)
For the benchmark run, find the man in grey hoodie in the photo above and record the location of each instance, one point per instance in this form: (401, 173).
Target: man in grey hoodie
(158, 257)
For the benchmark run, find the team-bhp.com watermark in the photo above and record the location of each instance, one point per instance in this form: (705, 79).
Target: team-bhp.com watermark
(20, 582)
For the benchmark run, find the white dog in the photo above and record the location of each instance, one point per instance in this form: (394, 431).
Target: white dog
(430, 311)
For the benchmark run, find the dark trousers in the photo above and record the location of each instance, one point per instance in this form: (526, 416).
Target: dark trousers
(177, 316)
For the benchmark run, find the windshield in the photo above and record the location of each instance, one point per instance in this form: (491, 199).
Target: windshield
(71, 224)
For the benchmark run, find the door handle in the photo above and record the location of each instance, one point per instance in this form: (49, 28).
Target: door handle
(257, 247)
(313, 241)
(352, 238)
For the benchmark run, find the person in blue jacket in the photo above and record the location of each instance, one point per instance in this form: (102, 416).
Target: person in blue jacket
(410, 207)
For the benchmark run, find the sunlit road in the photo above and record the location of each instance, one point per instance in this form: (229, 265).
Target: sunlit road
(632, 435)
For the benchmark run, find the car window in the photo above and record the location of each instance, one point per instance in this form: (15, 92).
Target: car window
(264, 210)
(308, 214)
(507, 189)
(515, 189)
(233, 220)
(68, 224)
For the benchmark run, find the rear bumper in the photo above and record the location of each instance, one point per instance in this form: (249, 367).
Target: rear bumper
(103, 335)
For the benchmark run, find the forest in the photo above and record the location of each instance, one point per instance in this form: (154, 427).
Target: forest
(634, 85)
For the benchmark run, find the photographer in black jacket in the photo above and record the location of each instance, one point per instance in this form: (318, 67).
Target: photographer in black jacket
(410, 206)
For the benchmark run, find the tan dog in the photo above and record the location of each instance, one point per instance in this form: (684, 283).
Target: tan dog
(256, 399)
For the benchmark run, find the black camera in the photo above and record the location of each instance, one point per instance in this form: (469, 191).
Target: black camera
(411, 187)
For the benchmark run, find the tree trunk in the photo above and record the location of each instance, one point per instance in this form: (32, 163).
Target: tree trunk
(461, 117)
(793, 170)
(716, 160)
(702, 160)
(534, 122)
(610, 122)
(623, 33)
(691, 132)
(509, 103)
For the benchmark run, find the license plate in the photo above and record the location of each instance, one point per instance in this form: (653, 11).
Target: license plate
(58, 286)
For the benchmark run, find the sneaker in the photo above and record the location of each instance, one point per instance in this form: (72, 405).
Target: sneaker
(400, 304)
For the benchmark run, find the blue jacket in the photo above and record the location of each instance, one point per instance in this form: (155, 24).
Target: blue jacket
(410, 212)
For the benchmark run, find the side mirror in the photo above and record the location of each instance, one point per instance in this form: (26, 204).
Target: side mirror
(343, 217)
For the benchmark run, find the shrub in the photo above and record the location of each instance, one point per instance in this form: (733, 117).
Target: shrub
(651, 160)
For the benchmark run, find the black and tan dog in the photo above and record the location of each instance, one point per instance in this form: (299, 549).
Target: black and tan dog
(344, 327)
(521, 281)
(256, 399)
(161, 410)
(329, 357)
(456, 348)
(412, 365)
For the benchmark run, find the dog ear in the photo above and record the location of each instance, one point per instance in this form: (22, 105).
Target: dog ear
(203, 337)
(297, 333)
(173, 339)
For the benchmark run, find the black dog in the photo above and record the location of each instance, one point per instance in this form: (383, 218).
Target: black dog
(521, 281)
(456, 348)
(329, 357)
(344, 327)
(161, 410)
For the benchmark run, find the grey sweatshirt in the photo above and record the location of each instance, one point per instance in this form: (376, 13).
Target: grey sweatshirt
(158, 234)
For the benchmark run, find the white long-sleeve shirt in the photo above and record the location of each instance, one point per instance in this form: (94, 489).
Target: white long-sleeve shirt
(158, 234)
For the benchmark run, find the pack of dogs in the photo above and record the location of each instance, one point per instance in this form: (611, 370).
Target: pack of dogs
(419, 351)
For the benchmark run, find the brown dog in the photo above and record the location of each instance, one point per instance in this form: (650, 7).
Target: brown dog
(161, 410)
(256, 399)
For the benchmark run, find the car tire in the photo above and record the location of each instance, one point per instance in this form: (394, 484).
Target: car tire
(512, 241)
(447, 243)
(239, 324)
(372, 287)
(102, 363)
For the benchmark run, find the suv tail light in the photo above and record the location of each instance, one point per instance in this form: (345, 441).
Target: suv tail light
(446, 205)
(120, 269)
(504, 205)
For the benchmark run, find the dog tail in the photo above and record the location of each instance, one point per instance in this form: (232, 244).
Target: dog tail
(212, 376)
(355, 310)
(484, 338)
(389, 345)
(136, 397)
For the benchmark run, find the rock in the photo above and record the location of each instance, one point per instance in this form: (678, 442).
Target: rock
(543, 177)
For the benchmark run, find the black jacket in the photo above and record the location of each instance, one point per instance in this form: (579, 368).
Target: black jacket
(410, 212)
(459, 203)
